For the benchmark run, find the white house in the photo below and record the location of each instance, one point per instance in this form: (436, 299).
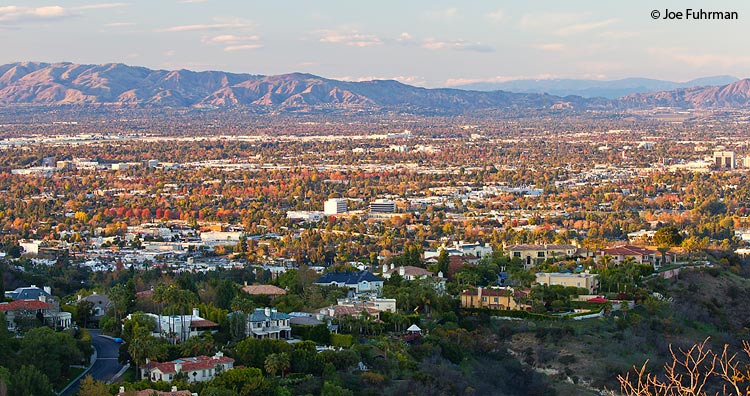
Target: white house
(194, 369)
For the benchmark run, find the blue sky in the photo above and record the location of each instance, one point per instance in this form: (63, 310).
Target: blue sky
(429, 43)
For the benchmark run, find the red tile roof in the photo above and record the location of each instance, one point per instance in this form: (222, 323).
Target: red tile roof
(627, 250)
(203, 323)
(24, 305)
(265, 290)
(189, 364)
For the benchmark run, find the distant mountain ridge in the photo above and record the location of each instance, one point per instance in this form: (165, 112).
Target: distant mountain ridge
(54, 84)
(610, 89)
(69, 83)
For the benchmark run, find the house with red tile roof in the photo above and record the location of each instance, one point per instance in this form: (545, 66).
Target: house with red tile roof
(194, 369)
(638, 254)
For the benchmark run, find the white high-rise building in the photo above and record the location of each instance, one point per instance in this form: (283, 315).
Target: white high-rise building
(382, 206)
(334, 206)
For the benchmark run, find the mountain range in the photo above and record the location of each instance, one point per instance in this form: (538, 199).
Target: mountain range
(611, 89)
(53, 84)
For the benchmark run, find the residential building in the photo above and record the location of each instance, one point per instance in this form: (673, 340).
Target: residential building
(379, 304)
(358, 281)
(411, 273)
(340, 311)
(532, 254)
(100, 305)
(263, 290)
(194, 369)
(30, 293)
(268, 323)
(619, 254)
(335, 206)
(461, 248)
(500, 298)
(20, 313)
(582, 280)
(152, 392)
(179, 328)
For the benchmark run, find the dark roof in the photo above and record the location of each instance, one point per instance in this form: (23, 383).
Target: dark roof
(348, 278)
(260, 315)
(27, 293)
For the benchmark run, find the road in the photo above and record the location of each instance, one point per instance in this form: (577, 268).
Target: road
(106, 364)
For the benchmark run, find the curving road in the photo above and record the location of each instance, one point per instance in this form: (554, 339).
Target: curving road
(106, 364)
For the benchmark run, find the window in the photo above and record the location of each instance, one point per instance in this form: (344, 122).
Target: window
(540, 254)
(484, 299)
(495, 299)
(516, 254)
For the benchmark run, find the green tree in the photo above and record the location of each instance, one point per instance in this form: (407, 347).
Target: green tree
(91, 387)
(50, 352)
(444, 261)
(30, 381)
(666, 238)
(277, 363)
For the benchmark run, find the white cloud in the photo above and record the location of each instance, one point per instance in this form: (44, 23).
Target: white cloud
(458, 45)
(242, 47)
(234, 43)
(551, 47)
(102, 6)
(696, 59)
(497, 15)
(120, 24)
(584, 27)
(411, 80)
(352, 38)
(405, 38)
(453, 82)
(199, 27)
(15, 13)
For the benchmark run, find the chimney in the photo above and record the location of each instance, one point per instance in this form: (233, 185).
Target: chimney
(196, 312)
(174, 389)
(48, 290)
(440, 274)
(79, 297)
(42, 298)
(122, 390)
(401, 271)
(268, 311)
(392, 266)
(385, 268)
(245, 283)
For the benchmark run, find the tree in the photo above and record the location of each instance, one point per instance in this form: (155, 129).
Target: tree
(50, 352)
(444, 261)
(91, 387)
(30, 381)
(693, 372)
(666, 238)
(277, 363)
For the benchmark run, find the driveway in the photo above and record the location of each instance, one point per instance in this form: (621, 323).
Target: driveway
(106, 364)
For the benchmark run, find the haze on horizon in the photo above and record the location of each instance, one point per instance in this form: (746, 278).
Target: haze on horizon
(426, 43)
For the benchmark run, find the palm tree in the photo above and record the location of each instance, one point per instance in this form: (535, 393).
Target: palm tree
(277, 362)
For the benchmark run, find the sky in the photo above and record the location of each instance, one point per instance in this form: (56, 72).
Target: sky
(431, 43)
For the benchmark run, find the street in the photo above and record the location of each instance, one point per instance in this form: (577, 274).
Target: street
(106, 364)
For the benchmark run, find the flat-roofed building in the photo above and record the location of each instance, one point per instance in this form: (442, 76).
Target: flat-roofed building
(583, 280)
(335, 206)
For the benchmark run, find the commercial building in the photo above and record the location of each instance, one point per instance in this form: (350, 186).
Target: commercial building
(725, 160)
(382, 206)
(335, 206)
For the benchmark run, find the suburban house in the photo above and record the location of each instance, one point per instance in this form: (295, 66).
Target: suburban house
(340, 311)
(268, 323)
(100, 304)
(263, 290)
(380, 304)
(532, 254)
(500, 298)
(179, 328)
(638, 254)
(582, 280)
(412, 273)
(34, 306)
(30, 293)
(461, 248)
(193, 369)
(152, 392)
(359, 281)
